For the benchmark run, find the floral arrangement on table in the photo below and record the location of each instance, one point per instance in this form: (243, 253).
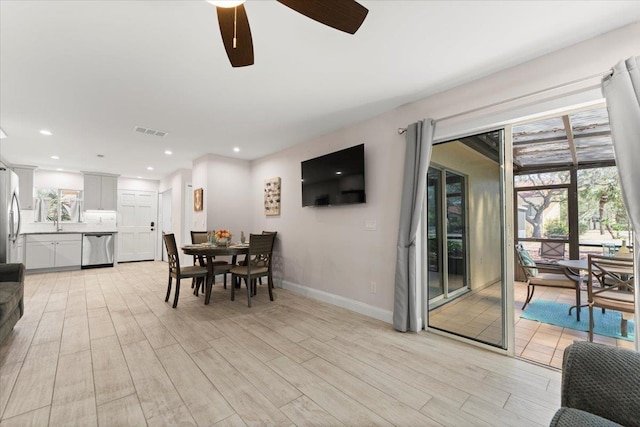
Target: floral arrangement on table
(223, 236)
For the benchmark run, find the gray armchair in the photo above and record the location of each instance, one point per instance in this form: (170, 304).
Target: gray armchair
(600, 387)
(11, 297)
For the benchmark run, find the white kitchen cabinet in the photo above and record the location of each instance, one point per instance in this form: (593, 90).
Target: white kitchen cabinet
(53, 250)
(100, 192)
(25, 186)
(16, 253)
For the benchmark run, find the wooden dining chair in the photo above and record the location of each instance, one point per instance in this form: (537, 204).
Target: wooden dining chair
(275, 234)
(244, 261)
(175, 271)
(610, 286)
(258, 265)
(219, 266)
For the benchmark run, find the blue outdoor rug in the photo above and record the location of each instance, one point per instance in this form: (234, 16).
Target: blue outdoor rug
(554, 313)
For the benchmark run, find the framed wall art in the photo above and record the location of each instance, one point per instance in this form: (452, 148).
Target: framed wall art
(272, 196)
(197, 199)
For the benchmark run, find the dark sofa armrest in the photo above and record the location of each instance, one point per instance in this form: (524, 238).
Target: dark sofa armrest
(569, 417)
(602, 380)
(11, 273)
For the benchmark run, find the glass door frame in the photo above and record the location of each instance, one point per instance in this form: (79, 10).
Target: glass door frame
(441, 230)
(507, 222)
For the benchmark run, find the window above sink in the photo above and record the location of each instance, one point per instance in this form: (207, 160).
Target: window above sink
(58, 205)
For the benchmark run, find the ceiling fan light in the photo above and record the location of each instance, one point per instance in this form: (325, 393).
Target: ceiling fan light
(226, 3)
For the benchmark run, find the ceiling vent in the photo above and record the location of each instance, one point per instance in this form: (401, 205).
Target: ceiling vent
(148, 131)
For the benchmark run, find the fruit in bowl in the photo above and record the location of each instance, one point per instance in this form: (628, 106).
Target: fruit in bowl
(223, 237)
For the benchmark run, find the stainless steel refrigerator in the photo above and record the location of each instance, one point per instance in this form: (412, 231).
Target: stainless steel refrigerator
(9, 216)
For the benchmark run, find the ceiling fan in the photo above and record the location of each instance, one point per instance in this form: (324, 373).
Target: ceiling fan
(343, 15)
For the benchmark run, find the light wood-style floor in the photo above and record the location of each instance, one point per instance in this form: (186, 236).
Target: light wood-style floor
(101, 347)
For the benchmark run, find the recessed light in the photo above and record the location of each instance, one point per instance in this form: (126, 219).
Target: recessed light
(55, 157)
(236, 149)
(338, 173)
(149, 168)
(46, 132)
(59, 169)
(168, 152)
(139, 177)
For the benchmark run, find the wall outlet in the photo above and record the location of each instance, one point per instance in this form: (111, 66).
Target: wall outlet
(373, 287)
(370, 225)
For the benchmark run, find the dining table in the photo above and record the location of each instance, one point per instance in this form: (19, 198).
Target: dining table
(573, 270)
(210, 251)
(575, 264)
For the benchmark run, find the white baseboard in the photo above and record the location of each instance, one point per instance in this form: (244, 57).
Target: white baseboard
(349, 304)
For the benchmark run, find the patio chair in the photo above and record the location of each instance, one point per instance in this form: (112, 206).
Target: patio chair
(534, 278)
(552, 250)
(610, 286)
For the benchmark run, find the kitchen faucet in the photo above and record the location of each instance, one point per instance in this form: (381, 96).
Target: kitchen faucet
(56, 223)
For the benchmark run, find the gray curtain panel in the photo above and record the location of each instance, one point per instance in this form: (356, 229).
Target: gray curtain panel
(416, 163)
(622, 91)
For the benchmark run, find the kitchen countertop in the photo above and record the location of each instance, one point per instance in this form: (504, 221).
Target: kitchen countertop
(71, 232)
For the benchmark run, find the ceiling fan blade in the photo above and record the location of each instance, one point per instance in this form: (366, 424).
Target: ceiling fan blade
(234, 24)
(343, 15)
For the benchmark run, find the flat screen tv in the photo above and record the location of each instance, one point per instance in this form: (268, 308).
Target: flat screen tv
(334, 179)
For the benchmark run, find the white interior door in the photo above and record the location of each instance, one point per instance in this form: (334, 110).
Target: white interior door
(137, 222)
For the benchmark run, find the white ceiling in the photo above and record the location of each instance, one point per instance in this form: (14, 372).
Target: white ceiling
(90, 71)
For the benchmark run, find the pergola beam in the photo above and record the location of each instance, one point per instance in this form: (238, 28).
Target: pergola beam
(566, 120)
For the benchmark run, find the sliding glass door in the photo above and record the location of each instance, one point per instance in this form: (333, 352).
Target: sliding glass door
(464, 239)
(446, 223)
(434, 235)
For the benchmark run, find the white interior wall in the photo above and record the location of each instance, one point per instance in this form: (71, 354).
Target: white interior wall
(593, 57)
(187, 211)
(327, 248)
(226, 194)
(176, 182)
(231, 196)
(326, 252)
(199, 180)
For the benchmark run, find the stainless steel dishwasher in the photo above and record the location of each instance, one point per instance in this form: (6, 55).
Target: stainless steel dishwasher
(97, 250)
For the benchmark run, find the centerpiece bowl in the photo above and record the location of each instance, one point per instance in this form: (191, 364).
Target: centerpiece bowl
(223, 237)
